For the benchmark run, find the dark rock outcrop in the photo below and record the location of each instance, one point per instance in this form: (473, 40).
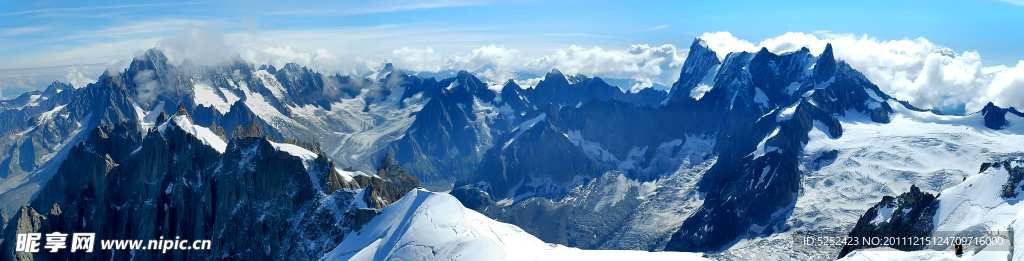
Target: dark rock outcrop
(1014, 185)
(390, 170)
(995, 117)
(908, 215)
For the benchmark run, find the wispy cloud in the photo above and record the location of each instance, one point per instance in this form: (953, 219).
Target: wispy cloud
(7, 32)
(830, 34)
(578, 35)
(1016, 2)
(91, 8)
(380, 7)
(656, 28)
(144, 28)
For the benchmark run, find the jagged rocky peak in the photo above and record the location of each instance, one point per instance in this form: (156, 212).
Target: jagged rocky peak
(995, 116)
(699, 67)
(182, 111)
(470, 82)
(826, 66)
(55, 87)
(763, 57)
(511, 85)
(391, 171)
(388, 186)
(293, 68)
(554, 77)
(160, 119)
(513, 95)
(152, 59)
(465, 86)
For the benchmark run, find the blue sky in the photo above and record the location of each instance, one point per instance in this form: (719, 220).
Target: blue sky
(993, 28)
(40, 40)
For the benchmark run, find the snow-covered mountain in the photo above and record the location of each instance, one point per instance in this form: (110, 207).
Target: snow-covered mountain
(249, 195)
(739, 155)
(426, 225)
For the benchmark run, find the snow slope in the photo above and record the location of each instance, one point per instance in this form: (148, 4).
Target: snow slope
(924, 255)
(434, 226)
(202, 133)
(206, 95)
(934, 152)
(975, 204)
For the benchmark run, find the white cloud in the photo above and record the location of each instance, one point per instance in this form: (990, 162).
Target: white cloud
(643, 63)
(1007, 87)
(91, 8)
(6, 32)
(148, 87)
(656, 28)
(418, 59)
(201, 45)
(1016, 2)
(77, 79)
(654, 63)
(495, 63)
(724, 43)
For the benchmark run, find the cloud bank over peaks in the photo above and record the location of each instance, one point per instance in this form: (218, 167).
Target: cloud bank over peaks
(77, 79)
(916, 70)
(200, 45)
(643, 63)
(923, 73)
(640, 62)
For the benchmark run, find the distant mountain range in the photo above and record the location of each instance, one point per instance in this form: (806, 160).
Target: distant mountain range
(287, 163)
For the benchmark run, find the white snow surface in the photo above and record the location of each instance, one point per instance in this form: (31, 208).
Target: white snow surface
(923, 255)
(49, 114)
(706, 83)
(523, 127)
(884, 214)
(294, 150)
(202, 133)
(977, 204)
(934, 152)
(761, 98)
(764, 149)
(787, 112)
(434, 226)
(916, 148)
(206, 95)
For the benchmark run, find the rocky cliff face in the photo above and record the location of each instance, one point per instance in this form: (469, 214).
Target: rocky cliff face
(253, 198)
(586, 217)
(995, 117)
(32, 149)
(756, 179)
(908, 215)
